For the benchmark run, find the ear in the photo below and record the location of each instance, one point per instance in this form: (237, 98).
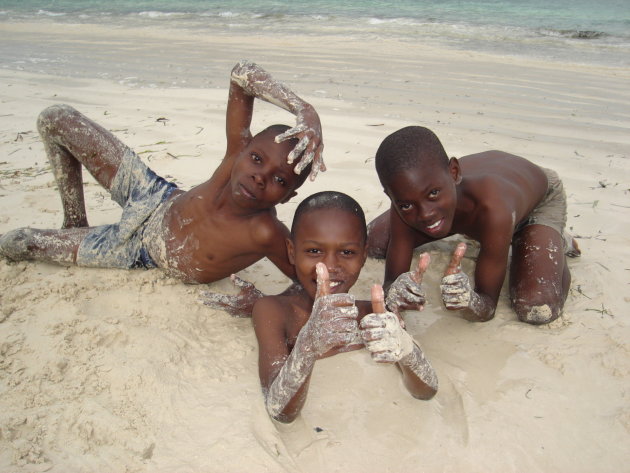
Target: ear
(290, 251)
(288, 198)
(365, 254)
(455, 170)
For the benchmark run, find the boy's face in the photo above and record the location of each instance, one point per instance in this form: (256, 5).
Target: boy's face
(426, 200)
(261, 177)
(334, 237)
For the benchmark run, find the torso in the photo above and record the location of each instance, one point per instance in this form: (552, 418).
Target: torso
(201, 243)
(497, 187)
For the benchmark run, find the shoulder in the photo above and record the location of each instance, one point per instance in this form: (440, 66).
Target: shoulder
(270, 313)
(267, 230)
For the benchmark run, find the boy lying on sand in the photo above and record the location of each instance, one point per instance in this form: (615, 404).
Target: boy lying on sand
(501, 200)
(207, 233)
(328, 249)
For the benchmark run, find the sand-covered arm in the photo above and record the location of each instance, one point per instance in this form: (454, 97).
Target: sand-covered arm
(242, 303)
(388, 342)
(284, 378)
(458, 293)
(257, 82)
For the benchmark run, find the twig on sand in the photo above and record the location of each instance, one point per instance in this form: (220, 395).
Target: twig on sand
(602, 311)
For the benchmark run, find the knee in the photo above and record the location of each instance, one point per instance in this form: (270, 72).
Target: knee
(50, 117)
(536, 312)
(14, 245)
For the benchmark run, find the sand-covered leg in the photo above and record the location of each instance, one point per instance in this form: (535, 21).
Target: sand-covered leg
(72, 140)
(58, 246)
(539, 275)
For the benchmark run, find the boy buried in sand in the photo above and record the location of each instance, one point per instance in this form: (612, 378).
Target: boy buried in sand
(219, 227)
(496, 198)
(328, 248)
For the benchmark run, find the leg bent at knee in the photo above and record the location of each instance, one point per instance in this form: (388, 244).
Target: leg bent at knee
(537, 311)
(49, 118)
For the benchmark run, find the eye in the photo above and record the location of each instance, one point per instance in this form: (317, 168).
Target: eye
(404, 207)
(348, 252)
(280, 180)
(256, 158)
(434, 193)
(313, 251)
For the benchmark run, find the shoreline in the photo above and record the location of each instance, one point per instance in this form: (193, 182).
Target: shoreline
(127, 371)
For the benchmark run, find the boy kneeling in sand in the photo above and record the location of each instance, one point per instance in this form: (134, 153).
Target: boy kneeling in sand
(501, 200)
(328, 249)
(219, 227)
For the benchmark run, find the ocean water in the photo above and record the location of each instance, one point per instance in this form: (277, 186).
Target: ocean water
(582, 31)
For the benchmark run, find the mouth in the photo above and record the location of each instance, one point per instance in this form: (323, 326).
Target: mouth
(246, 192)
(335, 285)
(434, 227)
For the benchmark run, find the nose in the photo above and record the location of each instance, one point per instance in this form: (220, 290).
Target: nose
(259, 179)
(331, 260)
(426, 211)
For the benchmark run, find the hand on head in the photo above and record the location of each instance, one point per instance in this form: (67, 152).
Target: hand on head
(308, 131)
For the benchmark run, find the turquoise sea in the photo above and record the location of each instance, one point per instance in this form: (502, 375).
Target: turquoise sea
(582, 31)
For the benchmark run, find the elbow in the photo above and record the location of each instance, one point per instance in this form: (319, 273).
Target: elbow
(242, 68)
(425, 394)
(284, 418)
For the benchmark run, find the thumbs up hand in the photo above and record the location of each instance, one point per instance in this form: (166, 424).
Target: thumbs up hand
(382, 332)
(333, 320)
(455, 286)
(406, 291)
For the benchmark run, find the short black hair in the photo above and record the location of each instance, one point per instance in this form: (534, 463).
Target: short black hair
(278, 129)
(411, 147)
(329, 200)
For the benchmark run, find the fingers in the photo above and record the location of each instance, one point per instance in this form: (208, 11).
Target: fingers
(378, 299)
(306, 159)
(216, 300)
(423, 264)
(290, 133)
(238, 282)
(298, 150)
(323, 280)
(454, 266)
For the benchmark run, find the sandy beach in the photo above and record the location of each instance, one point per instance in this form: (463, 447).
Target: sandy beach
(126, 371)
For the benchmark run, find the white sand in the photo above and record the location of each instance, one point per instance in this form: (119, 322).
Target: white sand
(110, 370)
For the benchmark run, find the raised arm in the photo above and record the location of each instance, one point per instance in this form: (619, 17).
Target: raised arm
(478, 303)
(388, 342)
(403, 286)
(284, 376)
(249, 81)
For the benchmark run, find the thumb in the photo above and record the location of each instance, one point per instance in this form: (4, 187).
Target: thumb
(423, 264)
(378, 299)
(458, 255)
(238, 282)
(323, 280)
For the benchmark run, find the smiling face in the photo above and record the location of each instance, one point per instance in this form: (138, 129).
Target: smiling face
(426, 200)
(333, 236)
(261, 177)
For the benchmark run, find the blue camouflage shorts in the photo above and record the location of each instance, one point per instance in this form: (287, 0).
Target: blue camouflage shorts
(139, 191)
